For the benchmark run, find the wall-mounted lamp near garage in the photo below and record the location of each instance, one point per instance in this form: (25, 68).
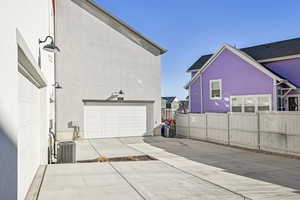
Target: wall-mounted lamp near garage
(48, 47)
(56, 85)
(121, 95)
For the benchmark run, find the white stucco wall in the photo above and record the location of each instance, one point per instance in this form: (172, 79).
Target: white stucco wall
(8, 105)
(22, 149)
(96, 61)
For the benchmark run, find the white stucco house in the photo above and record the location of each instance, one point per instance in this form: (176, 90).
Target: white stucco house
(100, 56)
(26, 86)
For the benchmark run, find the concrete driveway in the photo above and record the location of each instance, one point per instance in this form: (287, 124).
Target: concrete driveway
(184, 169)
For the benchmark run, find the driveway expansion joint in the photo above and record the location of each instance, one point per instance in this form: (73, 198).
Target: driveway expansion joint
(119, 173)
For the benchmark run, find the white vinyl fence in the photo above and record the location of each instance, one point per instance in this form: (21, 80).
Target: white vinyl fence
(268, 131)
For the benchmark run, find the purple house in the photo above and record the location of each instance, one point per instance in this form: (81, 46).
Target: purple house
(258, 78)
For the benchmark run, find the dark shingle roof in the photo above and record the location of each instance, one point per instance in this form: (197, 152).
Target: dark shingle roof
(261, 52)
(169, 99)
(200, 62)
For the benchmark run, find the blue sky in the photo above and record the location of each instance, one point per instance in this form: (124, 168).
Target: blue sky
(191, 28)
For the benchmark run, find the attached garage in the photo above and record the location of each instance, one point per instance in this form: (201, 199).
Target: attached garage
(32, 128)
(108, 119)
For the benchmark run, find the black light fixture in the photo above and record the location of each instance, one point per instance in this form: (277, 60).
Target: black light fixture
(50, 47)
(121, 95)
(56, 85)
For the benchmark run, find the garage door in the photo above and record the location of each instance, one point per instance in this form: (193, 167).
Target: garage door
(114, 121)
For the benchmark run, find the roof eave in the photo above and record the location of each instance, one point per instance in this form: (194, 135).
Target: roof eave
(159, 51)
(242, 55)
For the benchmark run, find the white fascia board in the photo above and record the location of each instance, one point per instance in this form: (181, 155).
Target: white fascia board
(279, 58)
(242, 55)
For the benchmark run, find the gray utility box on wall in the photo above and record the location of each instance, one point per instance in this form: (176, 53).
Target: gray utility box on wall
(66, 152)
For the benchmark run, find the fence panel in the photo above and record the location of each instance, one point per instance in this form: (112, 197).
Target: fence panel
(243, 129)
(280, 132)
(217, 127)
(182, 124)
(269, 131)
(198, 126)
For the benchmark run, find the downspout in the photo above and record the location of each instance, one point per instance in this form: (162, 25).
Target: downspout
(54, 73)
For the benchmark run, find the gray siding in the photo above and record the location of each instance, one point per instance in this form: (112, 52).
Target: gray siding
(96, 60)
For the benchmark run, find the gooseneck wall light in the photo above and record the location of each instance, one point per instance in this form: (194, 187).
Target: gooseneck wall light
(48, 47)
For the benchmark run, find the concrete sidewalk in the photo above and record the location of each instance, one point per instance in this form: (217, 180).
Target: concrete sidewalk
(185, 169)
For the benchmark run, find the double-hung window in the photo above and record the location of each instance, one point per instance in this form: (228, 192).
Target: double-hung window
(215, 89)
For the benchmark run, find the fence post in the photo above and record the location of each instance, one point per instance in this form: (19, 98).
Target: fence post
(189, 127)
(258, 130)
(228, 127)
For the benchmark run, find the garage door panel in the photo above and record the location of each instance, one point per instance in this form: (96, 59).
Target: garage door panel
(114, 121)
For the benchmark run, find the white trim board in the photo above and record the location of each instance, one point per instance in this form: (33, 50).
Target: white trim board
(242, 55)
(27, 65)
(279, 58)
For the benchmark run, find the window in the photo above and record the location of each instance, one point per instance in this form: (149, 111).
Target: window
(264, 103)
(237, 104)
(250, 103)
(293, 103)
(215, 89)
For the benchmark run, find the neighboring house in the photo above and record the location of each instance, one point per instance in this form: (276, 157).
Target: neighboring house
(169, 106)
(183, 106)
(26, 87)
(259, 78)
(100, 56)
(170, 103)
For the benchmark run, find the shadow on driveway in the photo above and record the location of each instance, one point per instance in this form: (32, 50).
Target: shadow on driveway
(269, 168)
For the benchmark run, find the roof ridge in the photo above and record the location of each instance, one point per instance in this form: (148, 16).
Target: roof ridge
(269, 50)
(264, 44)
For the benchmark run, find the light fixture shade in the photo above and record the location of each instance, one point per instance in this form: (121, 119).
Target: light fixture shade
(56, 85)
(51, 48)
(121, 92)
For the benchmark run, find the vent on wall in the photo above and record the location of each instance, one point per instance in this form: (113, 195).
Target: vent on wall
(66, 152)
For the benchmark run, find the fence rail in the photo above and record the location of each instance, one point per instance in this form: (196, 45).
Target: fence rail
(268, 131)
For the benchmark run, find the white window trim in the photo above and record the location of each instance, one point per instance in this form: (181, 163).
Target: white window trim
(256, 105)
(210, 89)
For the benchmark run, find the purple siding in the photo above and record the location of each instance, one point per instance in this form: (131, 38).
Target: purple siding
(288, 69)
(195, 92)
(238, 78)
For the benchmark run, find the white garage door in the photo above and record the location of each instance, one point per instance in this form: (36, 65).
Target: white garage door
(29, 133)
(114, 121)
